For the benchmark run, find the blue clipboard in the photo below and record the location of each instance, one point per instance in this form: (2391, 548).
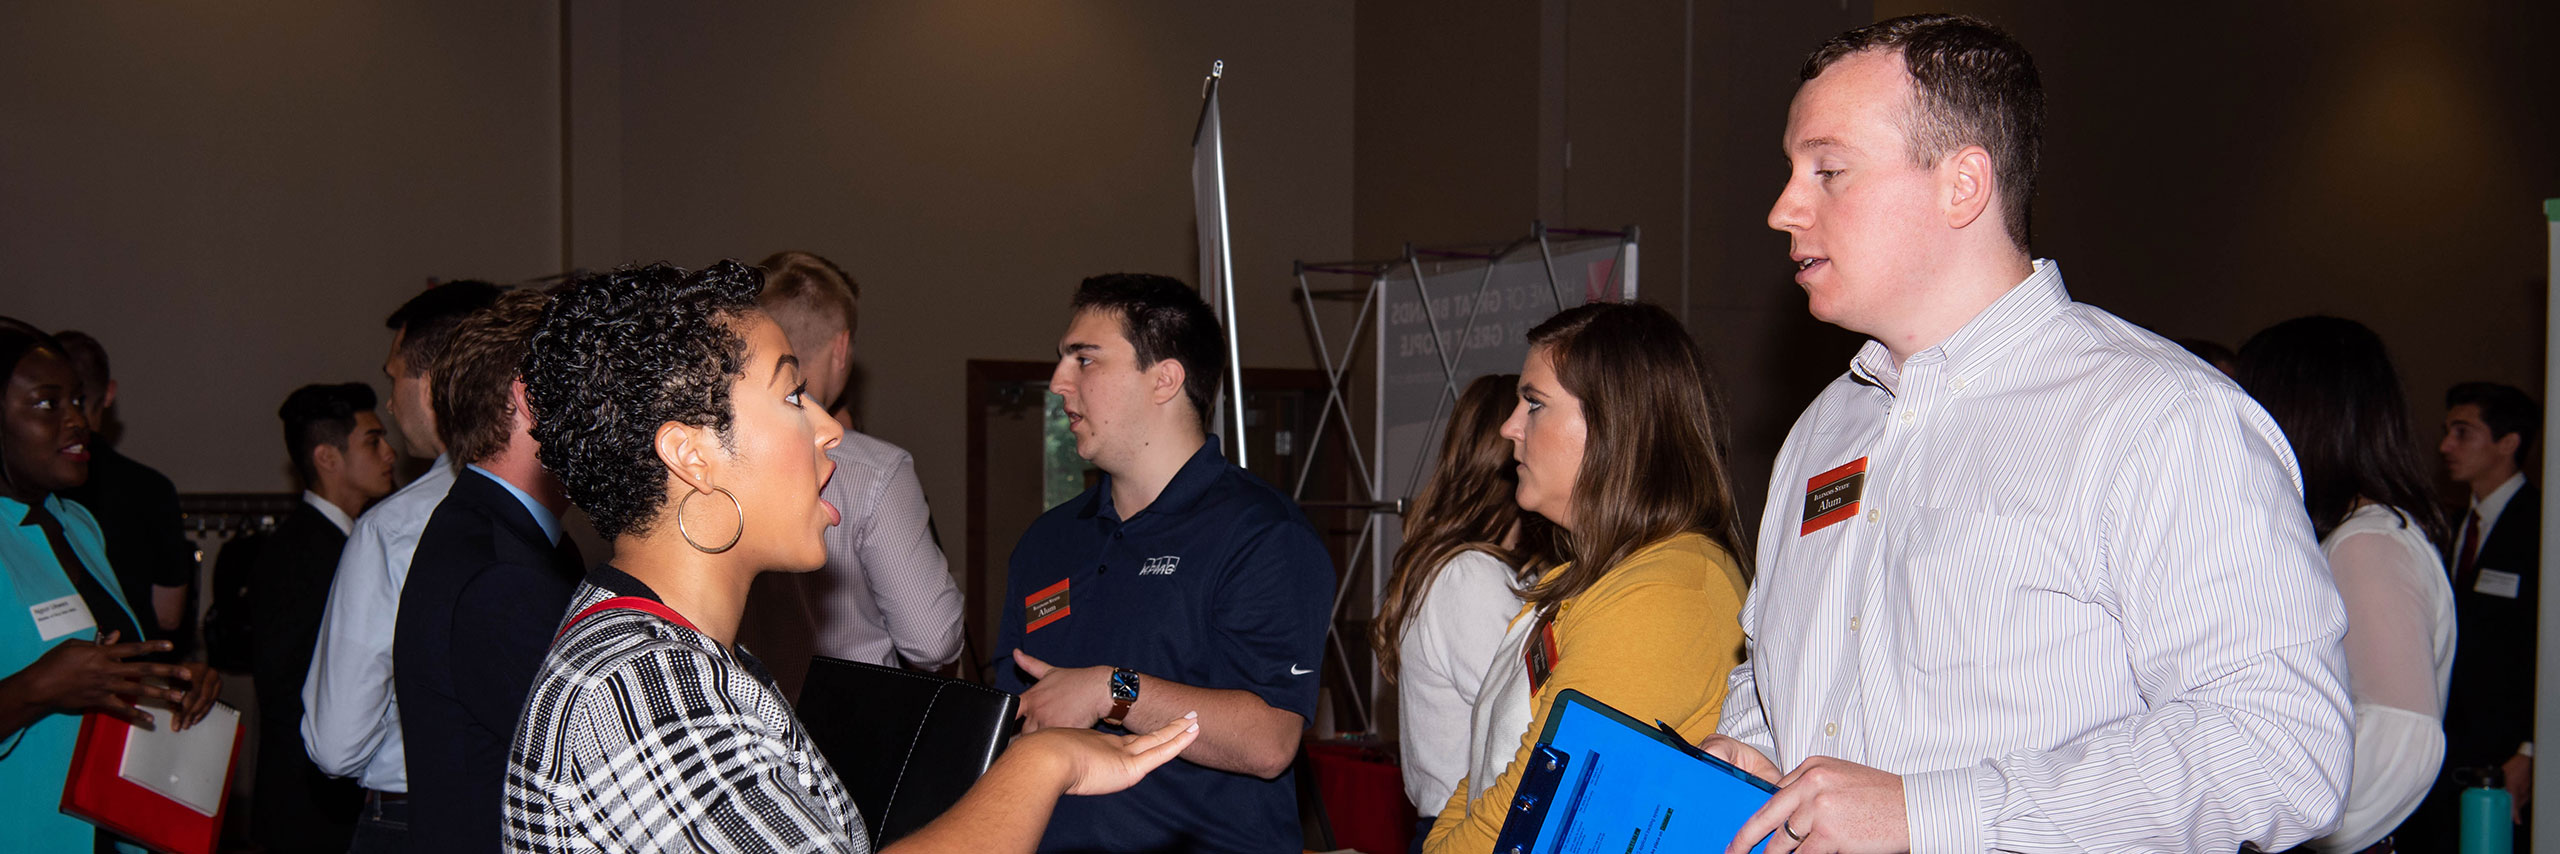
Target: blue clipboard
(1599, 782)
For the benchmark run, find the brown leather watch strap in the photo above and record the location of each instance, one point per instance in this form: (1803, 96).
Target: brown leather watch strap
(1124, 694)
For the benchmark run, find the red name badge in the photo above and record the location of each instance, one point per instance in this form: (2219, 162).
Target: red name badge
(1833, 496)
(1045, 607)
(1541, 653)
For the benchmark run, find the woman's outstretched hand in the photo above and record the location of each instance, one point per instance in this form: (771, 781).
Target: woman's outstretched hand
(1099, 763)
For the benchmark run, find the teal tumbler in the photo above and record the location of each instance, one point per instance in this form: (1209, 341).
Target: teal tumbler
(2488, 825)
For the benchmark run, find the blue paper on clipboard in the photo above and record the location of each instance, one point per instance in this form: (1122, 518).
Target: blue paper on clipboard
(1599, 782)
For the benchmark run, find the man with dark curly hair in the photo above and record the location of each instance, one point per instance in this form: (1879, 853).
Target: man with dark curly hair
(491, 576)
(1180, 581)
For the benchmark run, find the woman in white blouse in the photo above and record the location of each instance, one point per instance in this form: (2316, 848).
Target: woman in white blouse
(2330, 385)
(1466, 546)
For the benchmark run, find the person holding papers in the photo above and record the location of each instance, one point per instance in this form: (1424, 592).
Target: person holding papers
(66, 655)
(676, 416)
(1616, 434)
(1467, 548)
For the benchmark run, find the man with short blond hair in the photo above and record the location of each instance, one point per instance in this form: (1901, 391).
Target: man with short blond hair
(818, 305)
(886, 595)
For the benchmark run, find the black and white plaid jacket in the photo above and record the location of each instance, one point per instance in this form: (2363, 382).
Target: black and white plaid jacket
(644, 735)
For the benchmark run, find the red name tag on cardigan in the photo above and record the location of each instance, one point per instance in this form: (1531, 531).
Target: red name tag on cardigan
(1540, 654)
(1832, 496)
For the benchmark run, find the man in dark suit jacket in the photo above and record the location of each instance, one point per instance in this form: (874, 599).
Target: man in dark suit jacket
(341, 454)
(2496, 561)
(486, 588)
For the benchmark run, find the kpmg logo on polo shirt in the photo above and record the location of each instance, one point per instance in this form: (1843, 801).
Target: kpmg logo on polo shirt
(1160, 565)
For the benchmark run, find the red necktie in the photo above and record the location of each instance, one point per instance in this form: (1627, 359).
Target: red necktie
(2466, 567)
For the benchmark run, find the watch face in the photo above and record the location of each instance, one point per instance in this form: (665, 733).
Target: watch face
(1124, 686)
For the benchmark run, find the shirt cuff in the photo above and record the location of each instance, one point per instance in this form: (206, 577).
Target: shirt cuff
(1944, 808)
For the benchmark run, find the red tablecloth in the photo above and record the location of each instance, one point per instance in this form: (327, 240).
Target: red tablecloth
(1363, 792)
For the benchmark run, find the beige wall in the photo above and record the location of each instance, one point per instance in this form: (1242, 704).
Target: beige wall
(2212, 169)
(231, 197)
(2209, 169)
(1466, 114)
(969, 163)
(1448, 112)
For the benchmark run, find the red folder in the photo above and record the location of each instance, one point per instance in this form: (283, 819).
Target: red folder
(96, 793)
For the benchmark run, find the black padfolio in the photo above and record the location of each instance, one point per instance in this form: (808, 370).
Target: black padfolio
(906, 744)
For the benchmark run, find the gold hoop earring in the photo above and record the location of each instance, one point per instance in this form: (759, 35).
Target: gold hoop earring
(688, 535)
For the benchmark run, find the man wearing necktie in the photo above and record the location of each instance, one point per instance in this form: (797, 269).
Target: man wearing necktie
(2496, 560)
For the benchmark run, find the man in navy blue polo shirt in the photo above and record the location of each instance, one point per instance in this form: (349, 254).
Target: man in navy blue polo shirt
(1179, 582)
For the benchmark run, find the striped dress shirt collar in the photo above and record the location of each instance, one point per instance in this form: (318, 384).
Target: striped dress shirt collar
(1980, 343)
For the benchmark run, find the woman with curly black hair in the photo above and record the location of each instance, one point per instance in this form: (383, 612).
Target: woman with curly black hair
(674, 413)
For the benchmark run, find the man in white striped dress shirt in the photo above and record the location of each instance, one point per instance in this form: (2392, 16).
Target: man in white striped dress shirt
(2030, 577)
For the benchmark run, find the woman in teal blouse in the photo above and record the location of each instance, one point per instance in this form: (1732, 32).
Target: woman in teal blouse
(64, 631)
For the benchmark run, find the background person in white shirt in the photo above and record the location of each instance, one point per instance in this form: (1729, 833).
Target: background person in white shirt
(350, 724)
(2031, 578)
(886, 595)
(1468, 548)
(2330, 384)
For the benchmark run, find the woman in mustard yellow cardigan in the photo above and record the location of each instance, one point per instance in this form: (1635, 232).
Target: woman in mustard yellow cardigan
(1617, 437)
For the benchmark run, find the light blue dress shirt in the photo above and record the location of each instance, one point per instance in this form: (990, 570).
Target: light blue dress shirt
(351, 722)
(542, 516)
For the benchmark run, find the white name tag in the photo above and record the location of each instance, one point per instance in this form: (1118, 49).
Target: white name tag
(2504, 585)
(68, 614)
